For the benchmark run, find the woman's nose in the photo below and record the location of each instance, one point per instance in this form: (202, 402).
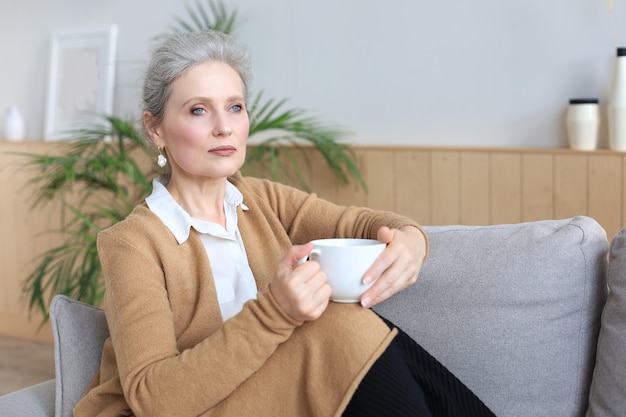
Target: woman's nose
(222, 126)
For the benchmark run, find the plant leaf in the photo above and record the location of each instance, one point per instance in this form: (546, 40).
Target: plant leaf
(213, 15)
(98, 184)
(292, 130)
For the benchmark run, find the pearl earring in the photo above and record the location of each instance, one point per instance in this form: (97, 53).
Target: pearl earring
(161, 159)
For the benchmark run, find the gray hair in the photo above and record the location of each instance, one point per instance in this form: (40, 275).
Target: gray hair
(183, 51)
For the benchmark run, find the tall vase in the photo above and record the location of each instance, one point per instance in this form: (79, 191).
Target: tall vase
(13, 124)
(616, 109)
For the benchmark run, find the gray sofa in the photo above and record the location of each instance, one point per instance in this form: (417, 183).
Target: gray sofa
(531, 316)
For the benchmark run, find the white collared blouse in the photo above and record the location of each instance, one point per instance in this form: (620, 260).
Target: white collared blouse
(234, 281)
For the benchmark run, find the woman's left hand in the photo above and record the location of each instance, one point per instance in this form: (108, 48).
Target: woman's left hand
(397, 267)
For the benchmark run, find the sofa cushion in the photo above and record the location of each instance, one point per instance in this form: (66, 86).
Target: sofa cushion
(608, 389)
(33, 401)
(79, 332)
(512, 310)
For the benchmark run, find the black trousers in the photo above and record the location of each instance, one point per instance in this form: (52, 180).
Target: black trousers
(407, 381)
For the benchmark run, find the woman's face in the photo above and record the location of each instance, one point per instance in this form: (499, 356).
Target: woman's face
(206, 124)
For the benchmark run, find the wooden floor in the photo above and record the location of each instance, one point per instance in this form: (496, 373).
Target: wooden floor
(24, 363)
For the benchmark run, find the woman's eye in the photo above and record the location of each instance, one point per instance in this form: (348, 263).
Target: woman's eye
(237, 108)
(198, 111)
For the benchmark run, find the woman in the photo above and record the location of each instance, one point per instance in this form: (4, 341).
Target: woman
(209, 310)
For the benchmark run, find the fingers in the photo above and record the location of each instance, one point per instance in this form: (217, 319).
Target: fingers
(399, 275)
(311, 297)
(293, 256)
(385, 260)
(385, 234)
(397, 267)
(301, 290)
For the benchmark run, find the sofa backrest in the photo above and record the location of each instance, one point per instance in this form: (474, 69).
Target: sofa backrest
(512, 310)
(79, 332)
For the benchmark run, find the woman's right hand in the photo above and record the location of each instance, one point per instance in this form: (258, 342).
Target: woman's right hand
(301, 290)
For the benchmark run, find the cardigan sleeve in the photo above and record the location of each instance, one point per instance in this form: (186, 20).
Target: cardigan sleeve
(306, 217)
(158, 376)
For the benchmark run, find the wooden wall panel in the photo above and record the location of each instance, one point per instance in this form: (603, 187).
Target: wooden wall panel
(475, 207)
(322, 181)
(25, 236)
(506, 187)
(433, 185)
(571, 189)
(413, 183)
(606, 188)
(537, 187)
(445, 189)
(379, 176)
(353, 195)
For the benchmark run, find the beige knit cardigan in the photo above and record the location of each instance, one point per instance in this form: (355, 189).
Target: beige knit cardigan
(170, 353)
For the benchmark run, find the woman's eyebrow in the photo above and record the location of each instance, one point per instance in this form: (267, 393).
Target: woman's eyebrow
(211, 100)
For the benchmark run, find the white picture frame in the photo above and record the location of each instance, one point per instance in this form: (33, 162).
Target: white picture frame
(81, 77)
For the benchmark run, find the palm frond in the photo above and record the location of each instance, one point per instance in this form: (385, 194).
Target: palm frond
(98, 181)
(293, 131)
(203, 16)
(90, 164)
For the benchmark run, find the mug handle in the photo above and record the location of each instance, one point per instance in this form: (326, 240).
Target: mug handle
(316, 251)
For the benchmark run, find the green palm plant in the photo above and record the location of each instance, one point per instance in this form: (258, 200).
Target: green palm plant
(98, 180)
(106, 172)
(214, 15)
(295, 133)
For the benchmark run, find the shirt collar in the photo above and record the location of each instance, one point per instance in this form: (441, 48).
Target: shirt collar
(178, 221)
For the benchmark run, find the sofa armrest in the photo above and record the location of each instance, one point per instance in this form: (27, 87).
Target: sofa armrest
(79, 333)
(34, 401)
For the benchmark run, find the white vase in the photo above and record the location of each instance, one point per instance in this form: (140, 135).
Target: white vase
(616, 109)
(14, 128)
(583, 123)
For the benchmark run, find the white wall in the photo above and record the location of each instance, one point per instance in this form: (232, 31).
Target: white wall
(454, 72)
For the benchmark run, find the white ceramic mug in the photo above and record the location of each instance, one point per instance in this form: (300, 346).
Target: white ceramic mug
(345, 261)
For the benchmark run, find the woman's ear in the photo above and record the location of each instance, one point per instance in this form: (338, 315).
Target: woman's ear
(151, 127)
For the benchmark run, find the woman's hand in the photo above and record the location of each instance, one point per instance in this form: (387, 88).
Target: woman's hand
(300, 290)
(397, 267)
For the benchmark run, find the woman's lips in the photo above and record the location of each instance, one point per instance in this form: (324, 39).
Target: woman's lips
(223, 150)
